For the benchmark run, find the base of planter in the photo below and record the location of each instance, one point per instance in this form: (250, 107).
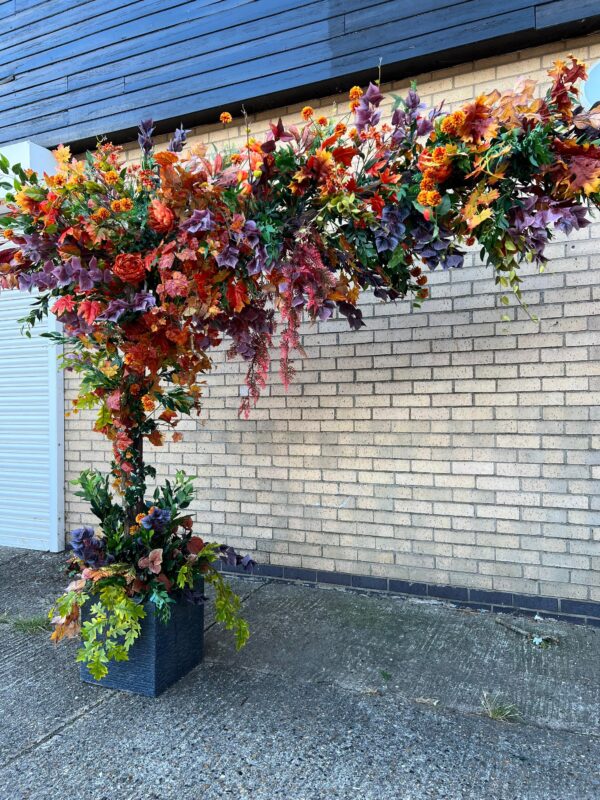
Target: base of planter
(161, 655)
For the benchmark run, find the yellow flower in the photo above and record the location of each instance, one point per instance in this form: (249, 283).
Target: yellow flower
(226, 118)
(126, 204)
(355, 93)
(110, 370)
(111, 177)
(62, 154)
(8, 233)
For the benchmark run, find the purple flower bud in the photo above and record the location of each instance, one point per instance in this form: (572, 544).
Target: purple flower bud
(146, 129)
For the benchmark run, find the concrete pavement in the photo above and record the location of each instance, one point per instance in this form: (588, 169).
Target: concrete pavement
(337, 696)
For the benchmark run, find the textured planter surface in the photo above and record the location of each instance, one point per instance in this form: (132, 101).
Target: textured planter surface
(161, 655)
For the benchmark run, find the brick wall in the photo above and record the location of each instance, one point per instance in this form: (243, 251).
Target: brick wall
(441, 445)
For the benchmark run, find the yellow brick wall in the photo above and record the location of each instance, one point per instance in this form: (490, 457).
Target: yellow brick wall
(439, 445)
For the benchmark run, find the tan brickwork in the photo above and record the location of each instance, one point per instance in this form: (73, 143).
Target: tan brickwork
(440, 445)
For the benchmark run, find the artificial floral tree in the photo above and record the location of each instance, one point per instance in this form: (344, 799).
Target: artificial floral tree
(151, 266)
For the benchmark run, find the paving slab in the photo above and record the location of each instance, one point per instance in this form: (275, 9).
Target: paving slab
(332, 699)
(422, 649)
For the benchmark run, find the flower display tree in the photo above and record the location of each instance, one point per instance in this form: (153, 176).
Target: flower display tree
(151, 266)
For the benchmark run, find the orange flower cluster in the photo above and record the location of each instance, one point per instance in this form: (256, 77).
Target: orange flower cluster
(436, 168)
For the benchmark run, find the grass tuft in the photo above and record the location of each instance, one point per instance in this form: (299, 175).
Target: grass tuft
(495, 708)
(31, 624)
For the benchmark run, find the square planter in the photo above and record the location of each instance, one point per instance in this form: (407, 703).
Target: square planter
(161, 655)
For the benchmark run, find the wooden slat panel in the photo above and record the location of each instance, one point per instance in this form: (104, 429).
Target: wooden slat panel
(71, 70)
(560, 11)
(260, 56)
(359, 57)
(158, 46)
(119, 19)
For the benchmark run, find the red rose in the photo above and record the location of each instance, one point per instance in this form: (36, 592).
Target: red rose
(160, 217)
(129, 267)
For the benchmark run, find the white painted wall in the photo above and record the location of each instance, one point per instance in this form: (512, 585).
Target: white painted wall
(31, 412)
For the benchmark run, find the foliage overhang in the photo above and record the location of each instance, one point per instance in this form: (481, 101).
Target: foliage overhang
(151, 266)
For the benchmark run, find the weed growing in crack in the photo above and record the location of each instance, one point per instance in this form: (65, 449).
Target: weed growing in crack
(496, 708)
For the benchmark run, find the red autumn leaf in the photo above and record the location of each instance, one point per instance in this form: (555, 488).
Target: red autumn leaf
(585, 174)
(195, 545)
(156, 438)
(168, 584)
(237, 295)
(344, 155)
(330, 140)
(89, 310)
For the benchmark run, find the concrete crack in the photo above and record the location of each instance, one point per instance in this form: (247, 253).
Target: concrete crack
(56, 731)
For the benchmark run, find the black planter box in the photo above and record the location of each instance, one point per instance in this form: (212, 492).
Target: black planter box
(161, 655)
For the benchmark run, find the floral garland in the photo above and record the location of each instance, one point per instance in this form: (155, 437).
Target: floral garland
(151, 266)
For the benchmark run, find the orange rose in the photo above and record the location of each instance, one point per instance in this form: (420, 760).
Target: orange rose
(129, 267)
(160, 217)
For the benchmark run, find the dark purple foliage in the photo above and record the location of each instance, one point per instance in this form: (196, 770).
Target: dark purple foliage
(433, 248)
(89, 547)
(367, 113)
(157, 520)
(228, 257)
(352, 314)
(178, 140)
(146, 129)
(233, 559)
(201, 220)
(390, 228)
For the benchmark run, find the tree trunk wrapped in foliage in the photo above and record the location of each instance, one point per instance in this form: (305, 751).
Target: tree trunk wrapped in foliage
(151, 266)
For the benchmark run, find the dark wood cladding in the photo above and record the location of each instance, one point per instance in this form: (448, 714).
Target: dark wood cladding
(73, 70)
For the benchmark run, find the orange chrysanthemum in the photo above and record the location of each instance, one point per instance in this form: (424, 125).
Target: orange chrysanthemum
(101, 214)
(429, 198)
(453, 123)
(226, 118)
(322, 121)
(355, 93)
(307, 112)
(427, 181)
